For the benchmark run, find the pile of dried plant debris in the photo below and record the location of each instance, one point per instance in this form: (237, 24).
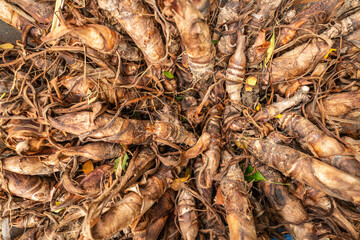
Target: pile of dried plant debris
(170, 119)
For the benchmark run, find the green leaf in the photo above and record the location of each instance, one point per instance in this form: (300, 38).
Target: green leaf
(270, 50)
(256, 176)
(215, 41)
(178, 98)
(168, 74)
(124, 163)
(183, 119)
(117, 162)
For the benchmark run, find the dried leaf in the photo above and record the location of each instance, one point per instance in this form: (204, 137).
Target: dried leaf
(270, 50)
(250, 81)
(176, 183)
(330, 51)
(2, 96)
(258, 107)
(6, 46)
(219, 199)
(88, 167)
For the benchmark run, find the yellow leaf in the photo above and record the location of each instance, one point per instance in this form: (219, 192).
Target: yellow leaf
(250, 81)
(240, 145)
(176, 183)
(258, 107)
(2, 96)
(91, 100)
(330, 51)
(278, 116)
(59, 210)
(271, 48)
(6, 46)
(88, 167)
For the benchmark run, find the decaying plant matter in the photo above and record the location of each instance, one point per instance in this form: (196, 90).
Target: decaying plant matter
(235, 73)
(195, 35)
(319, 144)
(136, 20)
(236, 202)
(118, 130)
(187, 215)
(286, 205)
(180, 119)
(321, 176)
(132, 206)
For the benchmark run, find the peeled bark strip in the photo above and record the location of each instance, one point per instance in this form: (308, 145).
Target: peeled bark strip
(124, 131)
(195, 35)
(273, 110)
(41, 11)
(296, 62)
(11, 17)
(30, 187)
(306, 169)
(337, 104)
(345, 26)
(286, 205)
(319, 144)
(187, 215)
(132, 206)
(140, 25)
(20, 23)
(238, 212)
(235, 72)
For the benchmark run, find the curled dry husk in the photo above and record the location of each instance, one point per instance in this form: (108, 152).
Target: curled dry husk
(134, 204)
(101, 89)
(337, 104)
(187, 215)
(155, 218)
(119, 130)
(305, 57)
(286, 205)
(319, 144)
(239, 215)
(316, 198)
(319, 175)
(235, 73)
(140, 25)
(195, 36)
(97, 36)
(30, 187)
